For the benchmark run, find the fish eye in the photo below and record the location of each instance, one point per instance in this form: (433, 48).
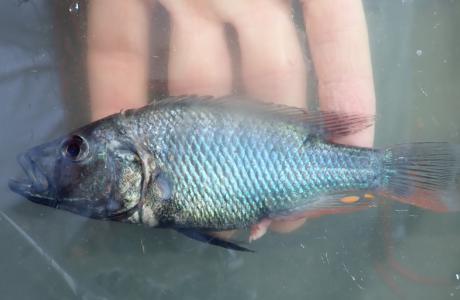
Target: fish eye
(75, 148)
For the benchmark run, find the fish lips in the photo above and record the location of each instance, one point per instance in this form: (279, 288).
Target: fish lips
(36, 185)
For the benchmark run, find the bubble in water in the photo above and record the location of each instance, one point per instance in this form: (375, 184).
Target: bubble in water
(74, 8)
(407, 1)
(419, 52)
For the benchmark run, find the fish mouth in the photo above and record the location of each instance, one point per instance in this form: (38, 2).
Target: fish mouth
(35, 185)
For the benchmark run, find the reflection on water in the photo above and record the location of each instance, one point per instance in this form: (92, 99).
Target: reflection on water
(55, 255)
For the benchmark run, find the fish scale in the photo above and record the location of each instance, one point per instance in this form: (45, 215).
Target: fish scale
(229, 173)
(194, 163)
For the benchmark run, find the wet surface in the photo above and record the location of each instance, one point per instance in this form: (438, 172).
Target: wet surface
(50, 254)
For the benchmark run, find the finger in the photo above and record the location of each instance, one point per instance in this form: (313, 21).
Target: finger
(273, 68)
(224, 235)
(287, 226)
(117, 55)
(337, 35)
(272, 64)
(338, 40)
(199, 61)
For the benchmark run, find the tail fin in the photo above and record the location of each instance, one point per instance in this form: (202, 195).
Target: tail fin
(423, 174)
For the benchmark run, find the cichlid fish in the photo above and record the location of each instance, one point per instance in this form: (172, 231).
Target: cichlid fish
(198, 164)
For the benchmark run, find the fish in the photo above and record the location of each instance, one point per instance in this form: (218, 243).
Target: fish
(199, 164)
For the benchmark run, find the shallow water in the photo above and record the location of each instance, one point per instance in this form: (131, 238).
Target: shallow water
(50, 254)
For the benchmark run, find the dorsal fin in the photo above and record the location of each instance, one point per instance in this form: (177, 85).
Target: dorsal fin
(325, 124)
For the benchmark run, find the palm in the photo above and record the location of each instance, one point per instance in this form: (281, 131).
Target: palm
(272, 67)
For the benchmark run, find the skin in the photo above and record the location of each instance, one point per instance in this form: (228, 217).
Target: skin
(199, 62)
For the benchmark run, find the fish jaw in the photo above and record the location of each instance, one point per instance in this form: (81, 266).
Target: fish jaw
(35, 186)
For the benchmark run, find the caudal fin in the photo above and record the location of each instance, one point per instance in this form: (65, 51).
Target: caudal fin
(423, 174)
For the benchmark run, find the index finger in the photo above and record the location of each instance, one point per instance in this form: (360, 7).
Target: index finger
(338, 39)
(117, 55)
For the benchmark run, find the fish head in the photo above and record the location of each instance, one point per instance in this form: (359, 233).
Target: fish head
(90, 172)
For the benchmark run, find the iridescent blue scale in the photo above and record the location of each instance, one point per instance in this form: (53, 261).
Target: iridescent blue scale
(229, 170)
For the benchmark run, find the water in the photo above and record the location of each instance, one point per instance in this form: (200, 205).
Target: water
(49, 254)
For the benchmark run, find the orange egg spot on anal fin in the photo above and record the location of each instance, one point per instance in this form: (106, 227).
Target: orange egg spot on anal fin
(369, 196)
(349, 199)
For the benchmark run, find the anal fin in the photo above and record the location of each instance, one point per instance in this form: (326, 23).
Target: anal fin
(330, 205)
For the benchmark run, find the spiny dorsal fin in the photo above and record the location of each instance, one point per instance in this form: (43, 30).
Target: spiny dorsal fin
(325, 124)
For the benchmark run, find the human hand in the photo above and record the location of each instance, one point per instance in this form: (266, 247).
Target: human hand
(272, 64)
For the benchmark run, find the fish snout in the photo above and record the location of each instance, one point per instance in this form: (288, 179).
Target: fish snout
(35, 173)
(35, 181)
